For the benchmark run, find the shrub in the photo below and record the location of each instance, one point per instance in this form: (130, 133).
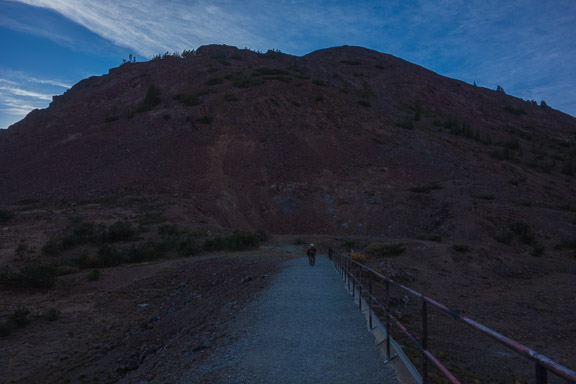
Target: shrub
(188, 247)
(349, 244)
(461, 248)
(169, 230)
(5, 329)
(485, 196)
(33, 276)
(52, 247)
(215, 81)
(379, 249)
(241, 80)
(351, 62)
(52, 314)
(214, 244)
(515, 111)
(504, 235)
(358, 257)
(19, 318)
(408, 124)
(426, 188)
(538, 250)
(242, 240)
(5, 216)
(66, 270)
(151, 100)
(21, 249)
(109, 256)
(365, 103)
(269, 72)
(188, 99)
(566, 244)
(437, 238)
(205, 119)
(120, 231)
(193, 98)
(89, 261)
(524, 231)
(229, 97)
(319, 82)
(94, 275)
(146, 251)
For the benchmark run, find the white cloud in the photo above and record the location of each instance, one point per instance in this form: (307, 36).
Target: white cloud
(23, 92)
(151, 27)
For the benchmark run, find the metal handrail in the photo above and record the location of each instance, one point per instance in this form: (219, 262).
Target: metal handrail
(349, 268)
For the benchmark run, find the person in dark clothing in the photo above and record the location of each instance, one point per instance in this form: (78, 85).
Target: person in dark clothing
(311, 252)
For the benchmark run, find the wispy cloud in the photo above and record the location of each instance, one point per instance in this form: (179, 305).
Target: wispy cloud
(21, 93)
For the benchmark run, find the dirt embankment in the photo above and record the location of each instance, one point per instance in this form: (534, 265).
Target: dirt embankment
(135, 323)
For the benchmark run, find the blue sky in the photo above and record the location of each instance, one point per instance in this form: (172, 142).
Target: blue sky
(527, 47)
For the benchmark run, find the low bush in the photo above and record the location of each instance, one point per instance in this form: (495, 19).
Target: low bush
(30, 276)
(524, 231)
(426, 188)
(379, 249)
(521, 229)
(5, 216)
(485, 196)
(230, 97)
(19, 318)
(269, 72)
(205, 119)
(188, 247)
(358, 257)
(241, 80)
(94, 275)
(215, 81)
(238, 241)
(407, 124)
(120, 231)
(437, 238)
(52, 314)
(538, 250)
(151, 100)
(461, 248)
(5, 329)
(504, 235)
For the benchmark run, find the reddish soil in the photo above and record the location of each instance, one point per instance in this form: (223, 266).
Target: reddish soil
(341, 142)
(136, 323)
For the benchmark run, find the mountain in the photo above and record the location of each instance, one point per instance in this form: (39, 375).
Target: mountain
(343, 140)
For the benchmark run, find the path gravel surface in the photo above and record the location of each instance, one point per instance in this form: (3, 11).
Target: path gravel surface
(304, 328)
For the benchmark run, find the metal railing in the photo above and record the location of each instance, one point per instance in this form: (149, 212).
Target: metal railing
(356, 274)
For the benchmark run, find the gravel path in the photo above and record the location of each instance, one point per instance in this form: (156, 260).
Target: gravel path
(304, 328)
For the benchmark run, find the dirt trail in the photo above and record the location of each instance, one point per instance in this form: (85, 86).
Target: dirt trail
(304, 328)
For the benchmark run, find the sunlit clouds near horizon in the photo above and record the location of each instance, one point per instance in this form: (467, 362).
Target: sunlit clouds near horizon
(525, 46)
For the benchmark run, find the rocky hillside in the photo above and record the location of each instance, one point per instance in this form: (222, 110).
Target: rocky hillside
(343, 140)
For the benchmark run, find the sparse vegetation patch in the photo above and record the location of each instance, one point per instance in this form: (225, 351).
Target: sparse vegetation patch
(426, 188)
(379, 249)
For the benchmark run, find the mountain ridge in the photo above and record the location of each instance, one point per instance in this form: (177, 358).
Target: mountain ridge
(332, 141)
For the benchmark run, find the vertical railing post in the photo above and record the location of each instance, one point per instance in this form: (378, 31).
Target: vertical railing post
(541, 374)
(353, 273)
(370, 299)
(360, 288)
(388, 319)
(348, 272)
(424, 341)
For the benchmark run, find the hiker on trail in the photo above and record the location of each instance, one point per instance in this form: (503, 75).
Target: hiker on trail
(311, 254)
